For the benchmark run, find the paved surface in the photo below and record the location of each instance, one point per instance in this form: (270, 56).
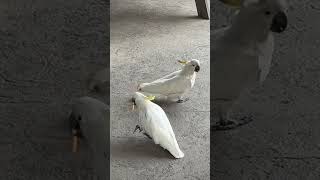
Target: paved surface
(46, 49)
(283, 141)
(46, 46)
(147, 39)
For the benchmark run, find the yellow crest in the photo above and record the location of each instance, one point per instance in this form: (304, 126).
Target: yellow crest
(149, 98)
(234, 3)
(183, 61)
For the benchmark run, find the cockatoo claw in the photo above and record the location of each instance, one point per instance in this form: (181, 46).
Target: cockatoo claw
(137, 127)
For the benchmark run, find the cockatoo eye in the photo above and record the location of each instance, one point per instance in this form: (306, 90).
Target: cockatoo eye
(267, 12)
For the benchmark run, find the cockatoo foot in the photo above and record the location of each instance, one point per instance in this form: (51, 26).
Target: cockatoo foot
(183, 100)
(231, 124)
(137, 127)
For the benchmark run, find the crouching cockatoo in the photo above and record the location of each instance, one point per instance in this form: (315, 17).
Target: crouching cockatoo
(242, 53)
(155, 124)
(90, 119)
(173, 86)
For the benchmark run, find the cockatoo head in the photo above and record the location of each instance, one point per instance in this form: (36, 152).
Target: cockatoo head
(192, 66)
(139, 98)
(269, 12)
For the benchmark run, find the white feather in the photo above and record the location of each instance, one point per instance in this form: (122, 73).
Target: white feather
(156, 124)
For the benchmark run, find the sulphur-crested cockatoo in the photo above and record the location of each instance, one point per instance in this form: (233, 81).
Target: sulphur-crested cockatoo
(242, 53)
(155, 124)
(173, 86)
(89, 119)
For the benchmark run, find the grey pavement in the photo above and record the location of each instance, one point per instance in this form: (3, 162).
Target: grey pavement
(47, 48)
(282, 142)
(147, 38)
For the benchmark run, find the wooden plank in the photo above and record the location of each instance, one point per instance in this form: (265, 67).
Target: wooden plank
(203, 9)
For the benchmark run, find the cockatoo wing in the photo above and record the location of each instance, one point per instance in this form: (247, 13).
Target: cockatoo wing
(167, 141)
(155, 116)
(159, 128)
(169, 76)
(174, 85)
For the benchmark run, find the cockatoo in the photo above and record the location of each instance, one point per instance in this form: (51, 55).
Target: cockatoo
(89, 119)
(98, 81)
(242, 53)
(174, 85)
(155, 124)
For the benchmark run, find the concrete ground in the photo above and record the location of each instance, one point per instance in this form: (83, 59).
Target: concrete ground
(46, 47)
(282, 143)
(147, 38)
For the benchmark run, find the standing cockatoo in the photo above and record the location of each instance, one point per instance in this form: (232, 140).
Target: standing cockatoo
(155, 124)
(242, 53)
(174, 85)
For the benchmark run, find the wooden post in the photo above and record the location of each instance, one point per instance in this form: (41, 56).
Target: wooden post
(203, 9)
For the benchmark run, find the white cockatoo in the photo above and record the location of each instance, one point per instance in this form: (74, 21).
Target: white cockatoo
(173, 86)
(242, 53)
(90, 119)
(155, 124)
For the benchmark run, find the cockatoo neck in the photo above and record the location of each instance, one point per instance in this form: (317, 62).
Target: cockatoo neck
(248, 28)
(187, 71)
(141, 102)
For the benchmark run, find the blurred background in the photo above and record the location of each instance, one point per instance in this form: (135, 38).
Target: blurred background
(283, 140)
(47, 50)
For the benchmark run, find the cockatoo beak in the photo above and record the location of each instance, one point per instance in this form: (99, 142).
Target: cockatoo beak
(197, 69)
(74, 141)
(133, 106)
(279, 22)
